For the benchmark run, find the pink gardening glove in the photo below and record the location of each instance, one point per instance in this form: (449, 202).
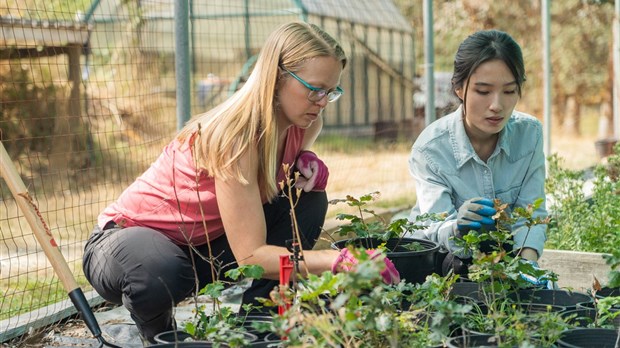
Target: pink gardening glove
(314, 172)
(346, 261)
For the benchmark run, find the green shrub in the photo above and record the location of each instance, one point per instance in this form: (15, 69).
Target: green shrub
(579, 222)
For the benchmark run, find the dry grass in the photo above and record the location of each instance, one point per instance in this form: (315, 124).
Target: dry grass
(360, 173)
(577, 152)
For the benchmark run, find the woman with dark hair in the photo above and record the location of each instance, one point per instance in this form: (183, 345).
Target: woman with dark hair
(484, 150)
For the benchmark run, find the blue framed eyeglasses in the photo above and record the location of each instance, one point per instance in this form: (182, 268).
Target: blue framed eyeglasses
(317, 93)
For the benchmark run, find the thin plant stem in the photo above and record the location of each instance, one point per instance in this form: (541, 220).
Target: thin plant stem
(294, 224)
(202, 214)
(182, 230)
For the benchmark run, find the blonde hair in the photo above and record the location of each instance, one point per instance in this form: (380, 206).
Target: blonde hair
(247, 119)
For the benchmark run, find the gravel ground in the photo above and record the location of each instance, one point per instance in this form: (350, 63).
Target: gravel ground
(116, 326)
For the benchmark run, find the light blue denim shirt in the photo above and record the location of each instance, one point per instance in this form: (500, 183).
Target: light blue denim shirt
(447, 172)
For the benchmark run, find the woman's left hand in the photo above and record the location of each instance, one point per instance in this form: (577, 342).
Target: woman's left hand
(314, 172)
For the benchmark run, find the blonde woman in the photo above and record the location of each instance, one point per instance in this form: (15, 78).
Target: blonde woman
(215, 188)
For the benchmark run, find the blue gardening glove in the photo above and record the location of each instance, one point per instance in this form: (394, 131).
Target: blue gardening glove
(540, 281)
(475, 213)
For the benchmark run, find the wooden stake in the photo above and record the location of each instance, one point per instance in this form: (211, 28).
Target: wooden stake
(35, 220)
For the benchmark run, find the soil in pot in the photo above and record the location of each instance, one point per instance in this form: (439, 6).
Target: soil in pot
(567, 299)
(588, 337)
(413, 265)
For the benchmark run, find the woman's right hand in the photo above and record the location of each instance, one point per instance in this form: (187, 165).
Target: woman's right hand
(346, 261)
(475, 213)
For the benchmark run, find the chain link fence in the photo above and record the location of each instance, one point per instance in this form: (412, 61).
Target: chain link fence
(88, 99)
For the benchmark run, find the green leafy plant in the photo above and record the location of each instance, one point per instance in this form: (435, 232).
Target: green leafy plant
(613, 260)
(607, 308)
(499, 266)
(221, 324)
(499, 271)
(579, 221)
(514, 325)
(356, 309)
(366, 223)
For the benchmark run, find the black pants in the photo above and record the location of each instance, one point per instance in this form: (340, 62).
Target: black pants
(146, 272)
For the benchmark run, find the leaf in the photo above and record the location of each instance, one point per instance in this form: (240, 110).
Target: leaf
(190, 328)
(596, 286)
(213, 290)
(247, 271)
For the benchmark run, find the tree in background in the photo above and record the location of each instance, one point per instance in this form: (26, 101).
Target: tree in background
(581, 36)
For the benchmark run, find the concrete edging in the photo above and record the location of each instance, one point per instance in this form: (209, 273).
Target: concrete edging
(576, 269)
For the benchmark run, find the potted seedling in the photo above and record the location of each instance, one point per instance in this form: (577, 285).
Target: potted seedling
(357, 309)
(215, 324)
(498, 310)
(603, 311)
(414, 258)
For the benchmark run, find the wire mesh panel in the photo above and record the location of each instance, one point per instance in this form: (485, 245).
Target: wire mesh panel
(88, 98)
(82, 116)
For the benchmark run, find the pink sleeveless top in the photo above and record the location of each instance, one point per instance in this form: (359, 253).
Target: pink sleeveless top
(166, 197)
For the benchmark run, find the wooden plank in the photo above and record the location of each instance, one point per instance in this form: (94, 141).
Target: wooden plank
(32, 52)
(18, 32)
(23, 323)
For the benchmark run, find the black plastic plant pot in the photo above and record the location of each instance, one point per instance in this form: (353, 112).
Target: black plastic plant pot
(591, 306)
(531, 308)
(588, 337)
(580, 317)
(559, 297)
(180, 336)
(481, 310)
(467, 292)
(413, 266)
(248, 324)
(194, 344)
(614, 308)
(472, 341)
(267, 344)
(172, 336)
(272, 337)
(608, 292)
(477, 340)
